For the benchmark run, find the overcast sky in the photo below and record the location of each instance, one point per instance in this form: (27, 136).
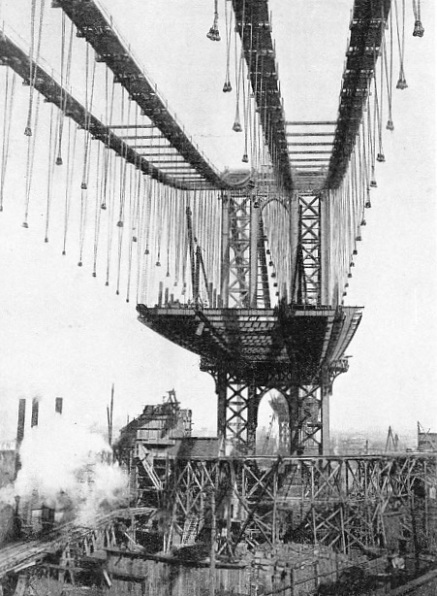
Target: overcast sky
(64, 334)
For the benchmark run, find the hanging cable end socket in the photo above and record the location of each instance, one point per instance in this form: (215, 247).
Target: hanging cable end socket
(28, 131)
(401, 84)
(59, 161)
(418, 29)
(390, 125)
(25, 224)
(227, 87)
(213, 34)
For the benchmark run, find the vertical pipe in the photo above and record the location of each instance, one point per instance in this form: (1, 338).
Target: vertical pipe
(326, 439)
(221, 390)
(58, 405)
(35, 412)
(21, 420)
(253, 255)
(213, 539)
(224, 265)
(252, 418)
(161, 289)
(294, 241)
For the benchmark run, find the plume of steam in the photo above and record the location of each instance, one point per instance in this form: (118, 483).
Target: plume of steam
(65, 466)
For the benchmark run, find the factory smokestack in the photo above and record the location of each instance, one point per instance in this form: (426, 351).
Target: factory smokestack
(58, 405)
(21, 420)
(35, 411)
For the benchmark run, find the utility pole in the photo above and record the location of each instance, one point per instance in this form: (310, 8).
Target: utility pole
(110, 416)
(213, 537)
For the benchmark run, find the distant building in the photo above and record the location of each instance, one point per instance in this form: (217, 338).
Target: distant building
(427, 441)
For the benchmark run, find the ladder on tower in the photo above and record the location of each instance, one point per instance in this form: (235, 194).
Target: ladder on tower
(143, 457)
(191, 529)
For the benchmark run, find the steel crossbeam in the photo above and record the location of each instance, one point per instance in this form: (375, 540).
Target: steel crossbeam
(309, 206)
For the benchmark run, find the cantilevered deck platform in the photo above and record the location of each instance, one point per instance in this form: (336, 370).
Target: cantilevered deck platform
(260, 344)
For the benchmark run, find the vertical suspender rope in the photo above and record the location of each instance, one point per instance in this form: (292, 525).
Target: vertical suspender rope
(101, 178)
(132, 193)
(86, 156)
(123, 171)
(389, 74)
(380, 98)
(237, 124)
(246, 100)
(30, 162)
(7, 120)
(227, 87)
(402, 83)
(110, 227)
(140, 232)
(50, 172)
(71, 150)
(28, 129)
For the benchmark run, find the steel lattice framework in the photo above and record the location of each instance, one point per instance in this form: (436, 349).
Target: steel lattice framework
(347, 503)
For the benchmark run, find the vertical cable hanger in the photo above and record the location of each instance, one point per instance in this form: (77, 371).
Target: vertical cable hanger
(379, 98)
(239, 59)
(132, 194)
(418, 27)
(28, 129)
(109, 108)
(227, 87)
(30, 162)
(101, 181)
(111, 208)
(34, 58)
(389, 74)
(50, 171)
(213, 34)
(7, 120)
(402, 83)
(65, 79)
(89, 93)
(123, 173)
(71, 150)
(246, 100)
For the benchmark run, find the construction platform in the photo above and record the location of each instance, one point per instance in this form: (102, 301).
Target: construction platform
(260, 344)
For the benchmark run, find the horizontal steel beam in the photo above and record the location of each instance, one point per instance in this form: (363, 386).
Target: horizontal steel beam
(310, 134)
(311, 159)
(311, 123)
(127, 137)
(309, 144)
(309, 152)
(126, 126)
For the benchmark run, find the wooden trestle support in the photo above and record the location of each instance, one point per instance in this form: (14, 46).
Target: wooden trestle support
(350, 504)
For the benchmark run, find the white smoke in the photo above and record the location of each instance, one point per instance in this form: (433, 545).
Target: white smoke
(65, 466)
